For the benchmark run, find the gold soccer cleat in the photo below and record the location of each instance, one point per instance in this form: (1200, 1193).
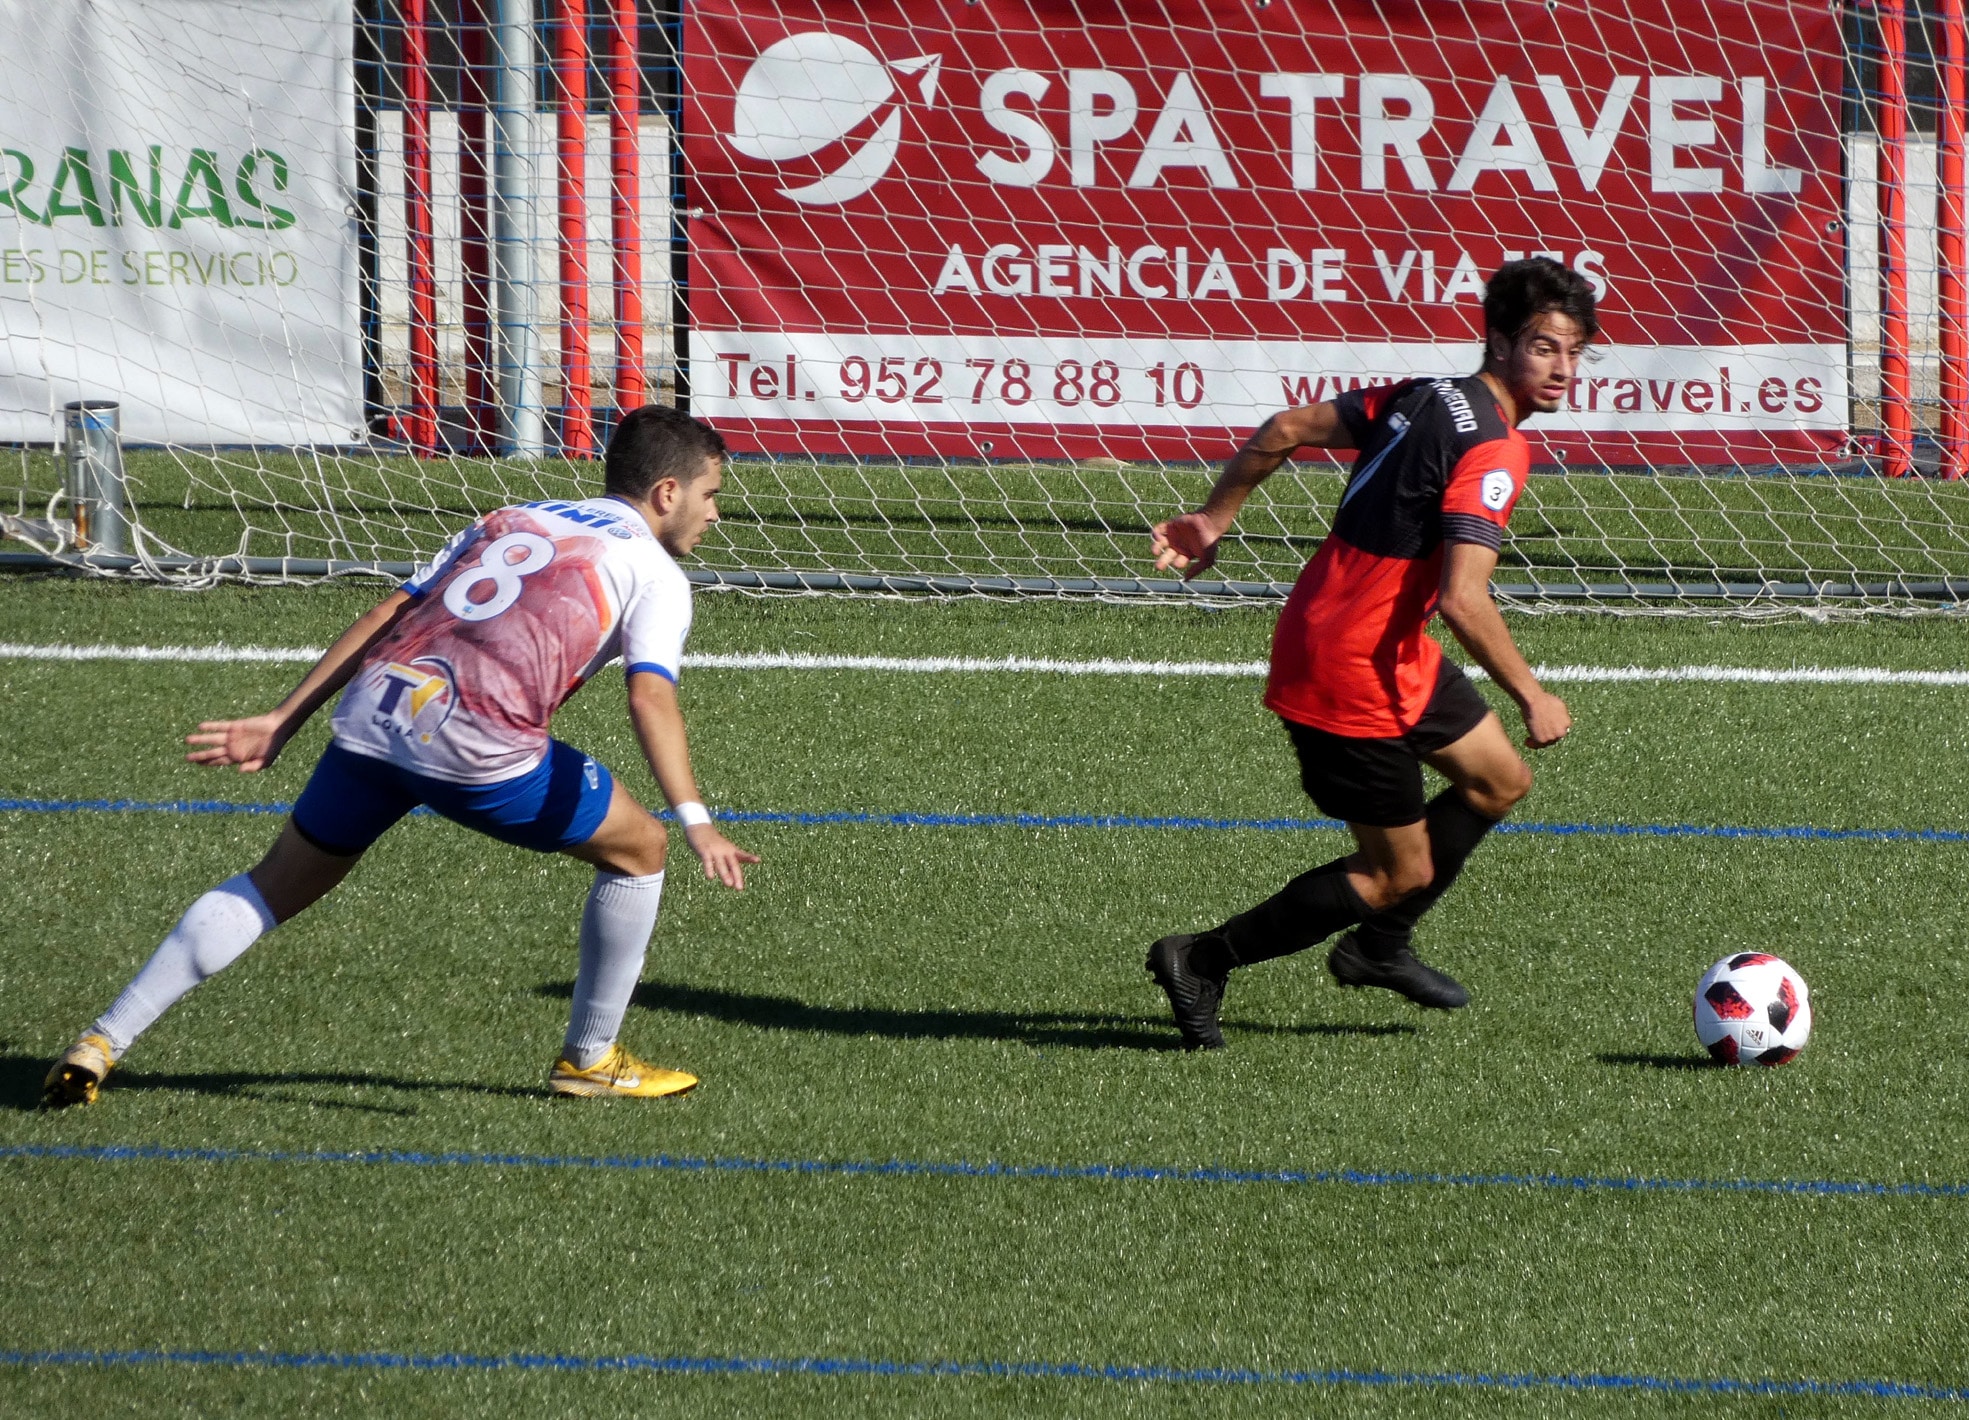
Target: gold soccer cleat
(79, 1074)
(618, 1073)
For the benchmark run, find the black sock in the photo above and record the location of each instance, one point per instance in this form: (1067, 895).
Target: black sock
(1309, 909)
(1455, 829)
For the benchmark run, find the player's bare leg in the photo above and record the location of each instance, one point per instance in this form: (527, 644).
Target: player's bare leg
(627, 852)
(1389, 864)
(295, 874)
(1485, 767)
(213, 933)
(631, 840)
(1487, 779)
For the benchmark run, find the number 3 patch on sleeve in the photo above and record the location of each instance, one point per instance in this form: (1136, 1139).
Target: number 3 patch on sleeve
(1497, 489)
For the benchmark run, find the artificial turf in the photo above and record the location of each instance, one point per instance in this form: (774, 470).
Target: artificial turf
(964, 996)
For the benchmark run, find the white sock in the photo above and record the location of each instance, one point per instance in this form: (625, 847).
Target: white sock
(615, 929)
(208, 938)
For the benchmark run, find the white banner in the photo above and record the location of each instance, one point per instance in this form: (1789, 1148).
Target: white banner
(176, 219)
(1203, 384)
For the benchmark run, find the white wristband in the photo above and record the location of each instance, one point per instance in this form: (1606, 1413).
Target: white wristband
(691, 813)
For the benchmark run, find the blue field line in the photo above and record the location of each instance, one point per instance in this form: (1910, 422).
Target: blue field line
(853, 1366)
(140, 806)
(877, 819)
(931, 1168)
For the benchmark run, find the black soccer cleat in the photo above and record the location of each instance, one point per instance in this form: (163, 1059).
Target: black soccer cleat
(1404, 972)
(1193, 997)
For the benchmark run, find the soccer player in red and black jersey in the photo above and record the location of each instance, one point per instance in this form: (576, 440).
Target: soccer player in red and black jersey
(1366, 696)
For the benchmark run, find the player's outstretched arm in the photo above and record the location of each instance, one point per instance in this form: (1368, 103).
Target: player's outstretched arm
(254, 743)
(659, 722)
(1473, 618)
(1189, 543)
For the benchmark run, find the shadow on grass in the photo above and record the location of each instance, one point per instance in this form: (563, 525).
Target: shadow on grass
(21, 1077)
(1660, 1062)
(1037, 1028)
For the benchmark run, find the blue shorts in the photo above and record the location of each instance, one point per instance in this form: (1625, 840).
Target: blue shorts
(351, 799)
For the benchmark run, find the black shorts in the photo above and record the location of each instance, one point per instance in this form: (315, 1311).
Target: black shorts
(1379, 782)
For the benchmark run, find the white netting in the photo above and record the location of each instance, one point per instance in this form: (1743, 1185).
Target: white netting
(979, 294)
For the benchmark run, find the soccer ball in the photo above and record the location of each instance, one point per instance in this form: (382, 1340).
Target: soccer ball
(1753, 1009)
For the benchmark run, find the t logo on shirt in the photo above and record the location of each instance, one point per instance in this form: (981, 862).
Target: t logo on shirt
(1497, 489)
(415, 699)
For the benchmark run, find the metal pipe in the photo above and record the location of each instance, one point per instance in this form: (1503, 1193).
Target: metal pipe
(522, 422)
(571, 107)
(369, 30)
(475, 227)
(680, 257)
(422, 428)
(1952, 242)
(1897, 411)
(626, 204)
(92, 445)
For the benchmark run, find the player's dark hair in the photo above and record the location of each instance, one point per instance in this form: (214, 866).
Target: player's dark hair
(1522, 291)
(654, 443)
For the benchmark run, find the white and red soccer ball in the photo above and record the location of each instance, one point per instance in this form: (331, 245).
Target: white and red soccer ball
(1753, 1009)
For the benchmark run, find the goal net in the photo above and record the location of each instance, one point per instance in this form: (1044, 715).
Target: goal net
(979, 293)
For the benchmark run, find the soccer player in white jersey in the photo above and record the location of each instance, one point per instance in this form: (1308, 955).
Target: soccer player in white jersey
(451, 682)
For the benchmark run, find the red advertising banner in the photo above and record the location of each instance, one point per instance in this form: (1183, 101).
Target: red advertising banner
(1039, 230)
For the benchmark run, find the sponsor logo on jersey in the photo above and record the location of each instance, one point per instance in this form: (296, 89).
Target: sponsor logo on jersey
(414, 698)
(1458, 404)
(1497, 489)
(587, 517)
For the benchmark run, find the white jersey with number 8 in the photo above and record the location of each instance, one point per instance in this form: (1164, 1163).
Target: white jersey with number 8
(510, 619)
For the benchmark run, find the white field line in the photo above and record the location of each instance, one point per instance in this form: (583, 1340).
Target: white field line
(934, 665)
(11, 651)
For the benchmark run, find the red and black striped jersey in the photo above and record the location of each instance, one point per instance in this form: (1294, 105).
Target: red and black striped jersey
(1438, 462)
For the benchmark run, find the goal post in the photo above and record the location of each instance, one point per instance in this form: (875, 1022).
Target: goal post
(978, 293)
